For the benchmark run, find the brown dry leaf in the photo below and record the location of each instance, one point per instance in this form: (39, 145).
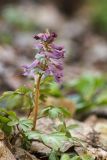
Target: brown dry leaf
(23, 154)
(5, 153)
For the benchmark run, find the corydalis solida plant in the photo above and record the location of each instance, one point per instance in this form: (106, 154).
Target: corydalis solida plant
(47, 62)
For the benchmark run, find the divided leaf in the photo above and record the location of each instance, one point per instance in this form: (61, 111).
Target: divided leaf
(25, 124)
(54, 112)
(54, 140)
(21, 98)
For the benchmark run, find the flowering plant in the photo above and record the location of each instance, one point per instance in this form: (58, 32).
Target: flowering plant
(47, 62)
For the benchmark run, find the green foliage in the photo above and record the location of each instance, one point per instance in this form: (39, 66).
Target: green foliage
(18, 20)
(50, 88)
(25, 124)
(53, 155)
(75, 158)
(10, 100)
(21, 128)
(68, 157)
(13, 126)
(55, 90)
(5, 38)
(88, 84)
(99, 16)
(65, 157)
(63, 128)
(7, 117)
(9, 120)
(86, 157)
(25, 143)
(21, 98)
(90, 92)
(54, 112)
(53, 140)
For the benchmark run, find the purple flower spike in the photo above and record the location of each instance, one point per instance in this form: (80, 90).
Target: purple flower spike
(48, 60)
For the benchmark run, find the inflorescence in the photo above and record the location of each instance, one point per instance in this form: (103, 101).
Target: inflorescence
(48, 59)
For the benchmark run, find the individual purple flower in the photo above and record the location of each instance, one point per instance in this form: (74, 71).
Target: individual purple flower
(56, 54)
(29, 73)
(54, 46)
(34, 64)
(29, 69)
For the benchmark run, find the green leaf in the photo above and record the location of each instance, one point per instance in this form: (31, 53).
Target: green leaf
(88, 84)
(25, 124)
(54, 112)
(65, 111)
(68, 157)
(12, 123)
(65, 157)
(49, 87)
(87, 157)
(21, 98)
(12, 114)
(7, 120)
(44, 111)
(53, 155)
(27, 97)
(72, 126)
(6, 129)
(23, 90)
(4, 119)
(10, 100)
(61, 128)
(55, 90)
(101, 98)
(75, 158)
(33, 135)
(54, 140)
(13, 119)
